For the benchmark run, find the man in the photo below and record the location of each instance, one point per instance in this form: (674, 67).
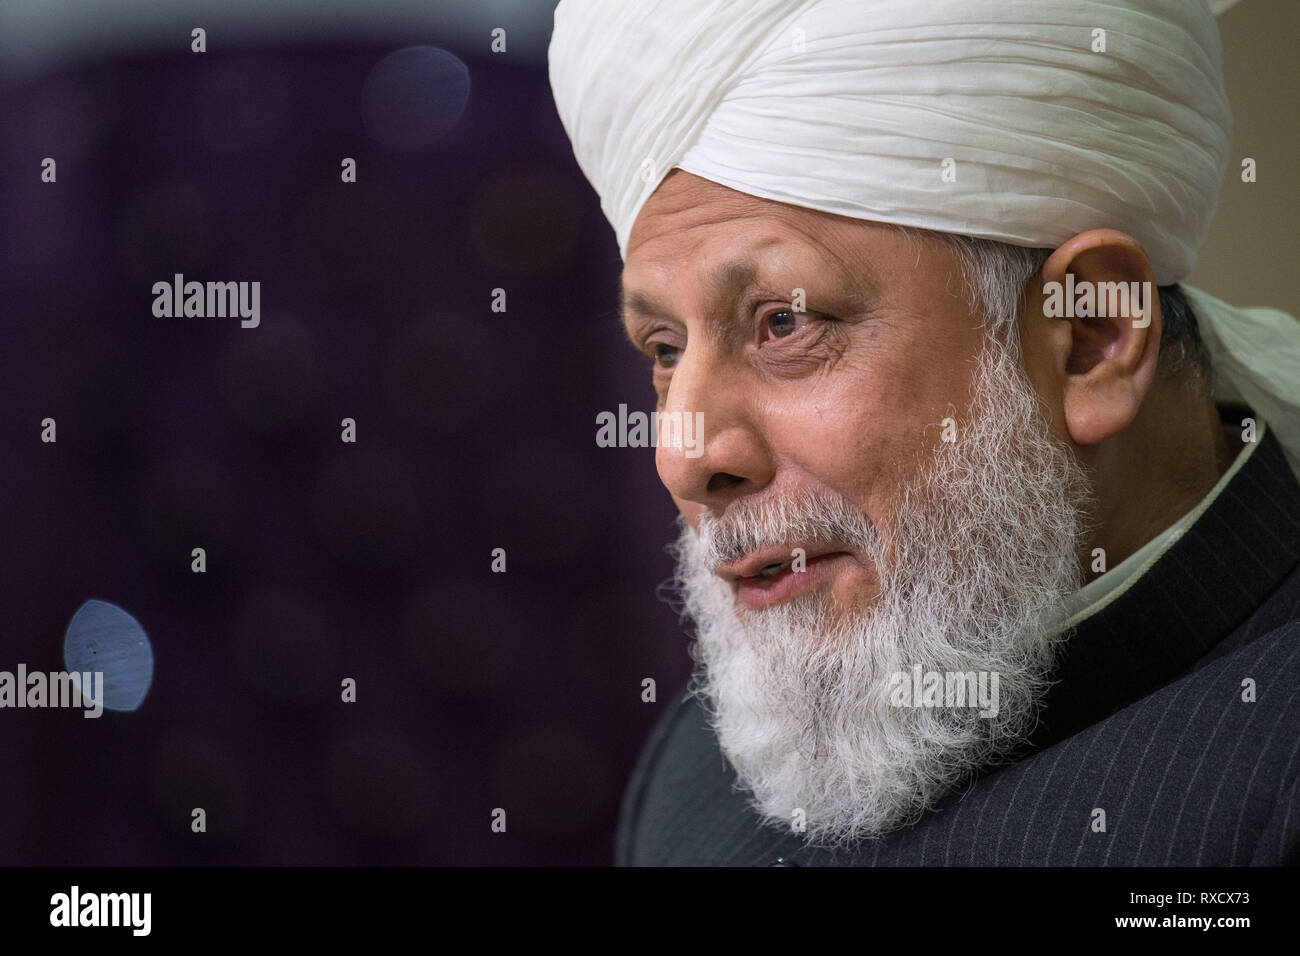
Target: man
(993, 549)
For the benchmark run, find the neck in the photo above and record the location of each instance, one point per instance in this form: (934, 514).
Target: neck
(1156, 470)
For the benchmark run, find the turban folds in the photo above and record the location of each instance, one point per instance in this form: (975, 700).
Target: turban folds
(1023, 121)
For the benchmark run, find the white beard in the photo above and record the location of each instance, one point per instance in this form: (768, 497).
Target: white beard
(981, 554)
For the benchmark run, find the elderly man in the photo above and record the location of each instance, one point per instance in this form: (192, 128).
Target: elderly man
(993, 548)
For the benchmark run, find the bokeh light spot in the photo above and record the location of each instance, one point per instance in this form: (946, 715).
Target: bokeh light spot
(413, 97)
(103, 637)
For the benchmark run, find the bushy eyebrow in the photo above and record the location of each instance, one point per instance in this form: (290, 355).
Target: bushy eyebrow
(725, 283)
(722, 282)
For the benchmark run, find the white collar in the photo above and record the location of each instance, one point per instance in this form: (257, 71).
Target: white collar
(1099, 592)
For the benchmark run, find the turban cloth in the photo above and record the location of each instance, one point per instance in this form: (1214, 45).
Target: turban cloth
(999, 119)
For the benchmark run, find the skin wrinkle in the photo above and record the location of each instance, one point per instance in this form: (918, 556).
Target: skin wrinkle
(960, 553)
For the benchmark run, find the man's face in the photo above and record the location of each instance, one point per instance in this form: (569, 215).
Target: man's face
(904, 449)
(844, 397)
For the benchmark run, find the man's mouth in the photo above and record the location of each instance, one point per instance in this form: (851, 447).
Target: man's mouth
(762, 582)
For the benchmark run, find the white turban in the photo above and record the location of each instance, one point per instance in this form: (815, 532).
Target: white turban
(1024, 121)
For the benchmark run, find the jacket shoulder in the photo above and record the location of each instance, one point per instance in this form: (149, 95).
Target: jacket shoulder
(647, 761)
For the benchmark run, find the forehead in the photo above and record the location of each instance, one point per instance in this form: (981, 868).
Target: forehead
(694, 233)
(688, 214)
(689, 222)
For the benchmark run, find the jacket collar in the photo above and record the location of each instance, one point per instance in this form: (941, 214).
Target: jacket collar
(1219, 571)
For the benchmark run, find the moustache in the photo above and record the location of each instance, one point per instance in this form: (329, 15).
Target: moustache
(806, 518)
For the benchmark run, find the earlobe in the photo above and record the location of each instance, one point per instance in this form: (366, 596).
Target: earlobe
(1096, 410)
(1101, 284)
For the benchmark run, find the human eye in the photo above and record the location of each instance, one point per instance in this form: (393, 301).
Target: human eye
(784, 323)
(664, 355)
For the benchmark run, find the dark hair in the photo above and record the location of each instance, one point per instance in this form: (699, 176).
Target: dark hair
(1182, 350)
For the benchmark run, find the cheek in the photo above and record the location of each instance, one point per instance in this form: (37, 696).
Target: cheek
(1044, 361)
(846, 434)
(862, 432)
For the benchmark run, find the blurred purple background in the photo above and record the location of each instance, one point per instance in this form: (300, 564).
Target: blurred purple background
(326, 560)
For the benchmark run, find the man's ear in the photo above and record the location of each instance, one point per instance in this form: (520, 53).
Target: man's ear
(1101, 284)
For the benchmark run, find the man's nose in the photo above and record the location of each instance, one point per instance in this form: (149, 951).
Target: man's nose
(728, 458)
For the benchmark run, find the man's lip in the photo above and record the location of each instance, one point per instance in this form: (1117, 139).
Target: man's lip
(757, 593)
(750, 565)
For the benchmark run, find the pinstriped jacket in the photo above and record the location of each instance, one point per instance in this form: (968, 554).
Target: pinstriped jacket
(1147, 722)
